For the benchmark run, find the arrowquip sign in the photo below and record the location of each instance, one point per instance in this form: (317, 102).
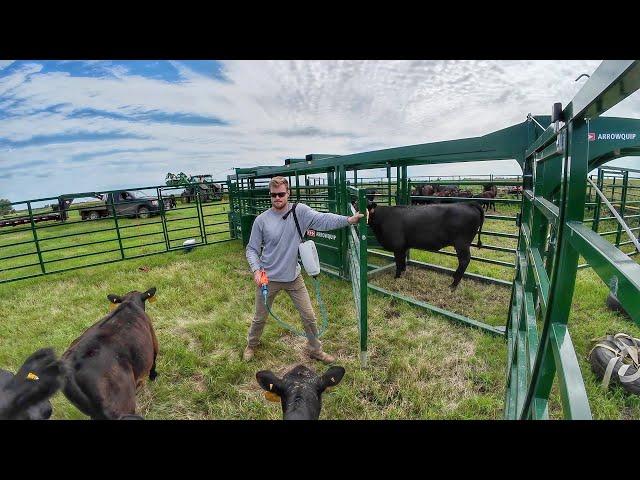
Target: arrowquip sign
(593, 136)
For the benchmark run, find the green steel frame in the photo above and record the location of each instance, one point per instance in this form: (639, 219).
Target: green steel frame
(555, 158)
(552, 238)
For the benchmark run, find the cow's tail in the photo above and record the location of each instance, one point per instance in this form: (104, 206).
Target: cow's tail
(481, 210)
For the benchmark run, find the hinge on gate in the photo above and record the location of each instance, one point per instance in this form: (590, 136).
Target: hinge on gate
(561, 141)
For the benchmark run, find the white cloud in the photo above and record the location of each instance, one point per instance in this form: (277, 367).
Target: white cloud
(5, 63)
(334, 106)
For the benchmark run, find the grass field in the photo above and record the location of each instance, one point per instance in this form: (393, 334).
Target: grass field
(422, 366)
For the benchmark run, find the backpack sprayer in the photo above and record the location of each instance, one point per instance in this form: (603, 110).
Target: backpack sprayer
(311, 263)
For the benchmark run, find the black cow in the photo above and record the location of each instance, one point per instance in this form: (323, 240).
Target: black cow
(112, 358)
(430, 228)
(300, 390)
(25, 395)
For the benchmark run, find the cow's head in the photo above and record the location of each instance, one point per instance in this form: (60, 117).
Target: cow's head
(25, 395)
(300, 390)
(134, 296)
(371, 208)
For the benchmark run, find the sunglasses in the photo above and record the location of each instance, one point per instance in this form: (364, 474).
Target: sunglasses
(278, 194)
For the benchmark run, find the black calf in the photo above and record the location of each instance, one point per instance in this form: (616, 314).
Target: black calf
(300, 390)
(25, 395)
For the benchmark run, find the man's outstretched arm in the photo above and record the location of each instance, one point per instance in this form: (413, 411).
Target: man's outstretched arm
(328, 221)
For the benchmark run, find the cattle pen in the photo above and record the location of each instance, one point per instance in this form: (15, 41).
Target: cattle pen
(538, 239)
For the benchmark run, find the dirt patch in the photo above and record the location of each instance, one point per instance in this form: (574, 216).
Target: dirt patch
(199, 383)
(192, 342)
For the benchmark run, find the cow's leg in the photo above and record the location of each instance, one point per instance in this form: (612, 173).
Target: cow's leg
(120, 398)
(153, 374)
(401, 264)
(464, 257)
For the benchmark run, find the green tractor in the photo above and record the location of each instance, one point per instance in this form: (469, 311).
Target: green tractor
(194, 185)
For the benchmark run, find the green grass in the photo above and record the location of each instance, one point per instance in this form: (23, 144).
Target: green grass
(422, 366)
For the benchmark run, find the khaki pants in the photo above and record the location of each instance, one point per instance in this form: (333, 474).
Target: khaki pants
(297, 290)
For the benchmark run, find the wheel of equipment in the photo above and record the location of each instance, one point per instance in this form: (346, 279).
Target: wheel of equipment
(94, 215)
(143, 212)
(614, 358)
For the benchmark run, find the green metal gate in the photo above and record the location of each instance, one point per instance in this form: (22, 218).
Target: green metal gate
(553, 236)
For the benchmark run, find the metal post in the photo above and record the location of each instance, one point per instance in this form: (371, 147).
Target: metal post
(623, 205)
(203, 231)
(164, 219)
(115, 219)
(364, 289)
(398, 194)
(597, 209)
(389, 183)
(35, 237)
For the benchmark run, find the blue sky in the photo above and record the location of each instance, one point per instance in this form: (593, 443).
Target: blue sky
(75, 126)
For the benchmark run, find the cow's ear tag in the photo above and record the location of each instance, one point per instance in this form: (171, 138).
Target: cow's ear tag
(112, 306)
(272, 397)
(152, 299)
(32, 376)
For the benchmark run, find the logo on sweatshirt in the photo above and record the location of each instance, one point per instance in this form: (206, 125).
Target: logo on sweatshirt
(313, 233)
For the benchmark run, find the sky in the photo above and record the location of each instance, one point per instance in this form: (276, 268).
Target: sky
(78, 126)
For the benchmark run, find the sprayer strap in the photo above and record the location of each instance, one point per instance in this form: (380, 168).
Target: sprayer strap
(295, 218)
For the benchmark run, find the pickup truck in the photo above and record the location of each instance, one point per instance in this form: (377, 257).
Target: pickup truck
(126, 204)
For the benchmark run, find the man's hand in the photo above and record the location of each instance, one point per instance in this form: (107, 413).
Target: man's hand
(256, 277)
(355, 219)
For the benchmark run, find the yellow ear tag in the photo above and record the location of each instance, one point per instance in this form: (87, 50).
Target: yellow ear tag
(152, 299)
(32, 376)
(272, 397)
(112, 306)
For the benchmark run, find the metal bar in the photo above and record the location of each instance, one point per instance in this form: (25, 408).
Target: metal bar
(35, 237)
(11, 257)
(615, 268)
(615, 214)
(78, 245)
(144, 245)
(460, 318)
(480, 259)
(82, 256)
(115, 220)
(19, 243)
(572, 393)
(20, 266)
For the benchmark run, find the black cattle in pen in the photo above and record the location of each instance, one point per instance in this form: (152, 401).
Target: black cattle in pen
(430, 228)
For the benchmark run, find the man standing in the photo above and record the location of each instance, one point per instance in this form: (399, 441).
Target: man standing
(275, 232)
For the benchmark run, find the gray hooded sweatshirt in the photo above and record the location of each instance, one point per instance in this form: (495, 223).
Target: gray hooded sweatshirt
(274, 242)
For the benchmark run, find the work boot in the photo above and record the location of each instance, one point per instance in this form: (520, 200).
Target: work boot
(248, 354)
(322, 356)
